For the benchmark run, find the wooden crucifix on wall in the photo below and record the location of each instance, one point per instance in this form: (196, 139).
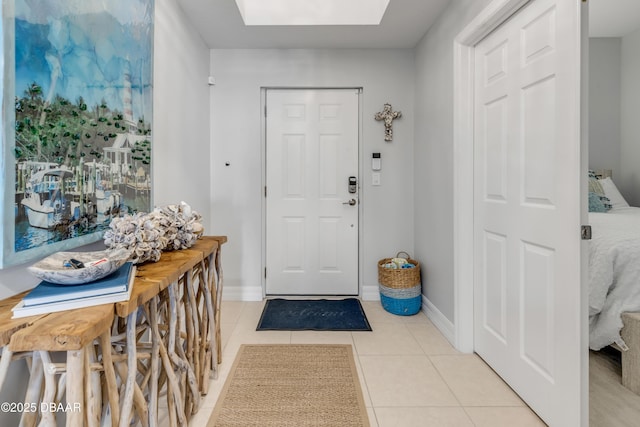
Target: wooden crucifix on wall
(388, 115)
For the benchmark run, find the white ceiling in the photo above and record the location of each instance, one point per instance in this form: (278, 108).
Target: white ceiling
(403, 25)
(613, 18)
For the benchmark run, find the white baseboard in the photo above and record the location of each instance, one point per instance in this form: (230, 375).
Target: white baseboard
(439, 320)
(254, 293)
(370, 293)
(242, 293)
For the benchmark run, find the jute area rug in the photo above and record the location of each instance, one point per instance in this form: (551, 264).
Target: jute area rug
(291, 385)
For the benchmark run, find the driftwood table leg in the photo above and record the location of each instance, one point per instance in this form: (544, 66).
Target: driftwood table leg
(127, 400)
(93, 391)
(110, 377)
(208, 348)
(194, 352)
(5, 361)
(50, 385)
(173, 386)
(176, 351)
(34, 389)
(155, 363)
(62, 386)
(75, 395)
(218, 302)
(189, 341)
(139, 402)
(171, 403)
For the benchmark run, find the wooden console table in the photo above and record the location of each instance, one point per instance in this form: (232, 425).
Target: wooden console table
(172, 332)
(119, 357)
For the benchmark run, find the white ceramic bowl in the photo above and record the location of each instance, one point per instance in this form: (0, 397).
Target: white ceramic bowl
(53, 269)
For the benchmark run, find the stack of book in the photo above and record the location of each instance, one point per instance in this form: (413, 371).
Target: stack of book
(50, 297)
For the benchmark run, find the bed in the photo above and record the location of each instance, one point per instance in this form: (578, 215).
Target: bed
(614, 273)
(614, 276)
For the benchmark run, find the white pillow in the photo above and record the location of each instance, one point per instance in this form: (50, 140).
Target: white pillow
(612, 193)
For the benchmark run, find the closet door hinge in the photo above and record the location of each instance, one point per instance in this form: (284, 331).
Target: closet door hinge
(585, 232)
(265, 272)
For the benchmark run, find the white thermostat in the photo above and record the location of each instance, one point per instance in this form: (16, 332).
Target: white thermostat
(375, 162)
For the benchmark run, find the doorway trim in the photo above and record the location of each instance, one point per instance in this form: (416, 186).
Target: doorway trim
(263, 162)
(488, 20)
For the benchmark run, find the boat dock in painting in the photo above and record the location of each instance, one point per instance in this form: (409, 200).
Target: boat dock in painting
(54, 201)
(55, 195)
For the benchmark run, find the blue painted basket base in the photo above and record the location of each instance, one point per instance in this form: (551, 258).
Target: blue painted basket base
(401, 306)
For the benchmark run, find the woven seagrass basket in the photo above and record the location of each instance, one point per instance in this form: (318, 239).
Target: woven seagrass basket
(400, 289)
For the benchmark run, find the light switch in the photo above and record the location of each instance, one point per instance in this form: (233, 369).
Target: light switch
(375, 178)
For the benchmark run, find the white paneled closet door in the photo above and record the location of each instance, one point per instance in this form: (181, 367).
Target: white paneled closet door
(527, 207)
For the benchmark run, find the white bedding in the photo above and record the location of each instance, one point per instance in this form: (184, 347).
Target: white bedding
(614, 273)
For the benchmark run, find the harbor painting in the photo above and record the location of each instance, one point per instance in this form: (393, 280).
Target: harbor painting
(81, 100)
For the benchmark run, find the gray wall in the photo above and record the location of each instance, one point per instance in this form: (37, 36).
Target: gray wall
(434, 153)
(180, 148)
(629, 177)
(386, 75)
(181, 169)
(614, 105)
(604, 108)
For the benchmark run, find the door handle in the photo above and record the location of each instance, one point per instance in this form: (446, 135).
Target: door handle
(351, 202)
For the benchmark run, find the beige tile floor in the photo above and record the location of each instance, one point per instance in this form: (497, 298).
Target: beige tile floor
(410, 374)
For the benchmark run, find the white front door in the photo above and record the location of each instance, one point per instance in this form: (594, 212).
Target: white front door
(311, 215)
(527, 207)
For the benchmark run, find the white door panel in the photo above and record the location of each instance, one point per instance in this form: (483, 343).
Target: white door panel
(527, 207)
(312, 150)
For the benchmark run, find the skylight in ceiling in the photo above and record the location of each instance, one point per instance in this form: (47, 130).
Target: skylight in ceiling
(312, 12)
